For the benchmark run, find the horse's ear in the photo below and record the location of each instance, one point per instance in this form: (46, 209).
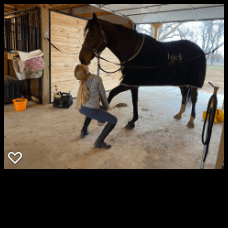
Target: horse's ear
(94, 17)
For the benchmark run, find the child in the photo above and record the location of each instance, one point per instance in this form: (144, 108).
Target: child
(90, 90)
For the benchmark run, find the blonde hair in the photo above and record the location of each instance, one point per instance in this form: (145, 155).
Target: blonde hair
(81, 72)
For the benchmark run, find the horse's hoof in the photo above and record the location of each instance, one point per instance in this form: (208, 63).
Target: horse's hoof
(178, 116)
(190, 125)
(130, 126)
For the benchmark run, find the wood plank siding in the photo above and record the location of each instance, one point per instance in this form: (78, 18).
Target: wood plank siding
(67, 35)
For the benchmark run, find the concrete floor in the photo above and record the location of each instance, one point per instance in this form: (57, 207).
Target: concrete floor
(49, 138)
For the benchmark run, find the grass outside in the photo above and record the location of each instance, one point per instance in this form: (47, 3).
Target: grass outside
(215, 67)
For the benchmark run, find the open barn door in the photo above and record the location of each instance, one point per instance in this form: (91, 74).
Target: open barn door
(66, 33)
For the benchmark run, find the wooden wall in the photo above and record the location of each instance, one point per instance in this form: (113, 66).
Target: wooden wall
(110, 81)
(67, 35)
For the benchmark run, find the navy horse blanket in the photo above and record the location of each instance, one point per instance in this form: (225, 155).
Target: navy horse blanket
(177, 63)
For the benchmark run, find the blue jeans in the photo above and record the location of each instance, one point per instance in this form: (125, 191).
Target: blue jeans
(98, 114)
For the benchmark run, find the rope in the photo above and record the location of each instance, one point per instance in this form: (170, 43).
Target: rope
(59, 50)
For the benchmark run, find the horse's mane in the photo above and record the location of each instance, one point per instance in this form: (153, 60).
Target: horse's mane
(123, 28)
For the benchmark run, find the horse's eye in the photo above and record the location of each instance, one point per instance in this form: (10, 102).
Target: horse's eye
(92, 35)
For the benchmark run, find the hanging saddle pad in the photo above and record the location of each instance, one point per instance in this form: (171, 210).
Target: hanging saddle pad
(29, 62)
(25, 75)
(31, 65)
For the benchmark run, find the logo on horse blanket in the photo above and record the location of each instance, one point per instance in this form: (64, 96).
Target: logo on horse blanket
(175, 57)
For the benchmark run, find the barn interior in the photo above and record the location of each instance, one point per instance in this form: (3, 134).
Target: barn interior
(49, 138)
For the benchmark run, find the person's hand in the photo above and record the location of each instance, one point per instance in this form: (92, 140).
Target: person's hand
(105, 109)
(108, 108)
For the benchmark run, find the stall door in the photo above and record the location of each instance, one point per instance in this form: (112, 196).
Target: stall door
(67, 34)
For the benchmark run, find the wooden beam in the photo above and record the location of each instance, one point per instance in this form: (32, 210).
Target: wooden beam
(69, 11)
(21, 11)
(7, 11)
(45, 48)
(12, 6)
(25, 6)
(8, 7)
(91, 14)
(29, 5)
(156, 26)
(20, 5)
(66, 6)
(10, 56)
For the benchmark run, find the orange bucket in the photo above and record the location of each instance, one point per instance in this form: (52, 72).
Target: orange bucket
(20, 104)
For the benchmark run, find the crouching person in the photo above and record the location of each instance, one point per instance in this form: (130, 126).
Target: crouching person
(90, 90)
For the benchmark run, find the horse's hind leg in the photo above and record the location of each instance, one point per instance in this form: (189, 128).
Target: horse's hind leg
(194, 94)
(134, 95)
(184, 91)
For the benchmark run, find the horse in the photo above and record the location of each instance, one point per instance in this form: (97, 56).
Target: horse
(147, 62)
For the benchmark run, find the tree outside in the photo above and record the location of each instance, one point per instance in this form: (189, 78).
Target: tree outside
(207, 34)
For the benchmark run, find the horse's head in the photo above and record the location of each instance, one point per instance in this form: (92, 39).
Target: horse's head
(95, 41)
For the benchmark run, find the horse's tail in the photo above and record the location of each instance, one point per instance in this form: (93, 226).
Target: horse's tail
(188, 101)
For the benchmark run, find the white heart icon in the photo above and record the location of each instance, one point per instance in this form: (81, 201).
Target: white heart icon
(15, 162)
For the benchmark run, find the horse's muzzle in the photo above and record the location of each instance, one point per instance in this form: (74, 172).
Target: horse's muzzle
(84, 61)
(86, 56)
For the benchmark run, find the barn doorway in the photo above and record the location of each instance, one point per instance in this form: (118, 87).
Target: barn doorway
(66, 33)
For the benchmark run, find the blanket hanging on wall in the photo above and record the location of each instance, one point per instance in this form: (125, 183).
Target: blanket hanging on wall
(28, 55)
(176, 63)
(25, 75)
(31, 65)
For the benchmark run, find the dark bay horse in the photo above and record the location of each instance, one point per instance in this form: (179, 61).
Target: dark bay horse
(147, 62)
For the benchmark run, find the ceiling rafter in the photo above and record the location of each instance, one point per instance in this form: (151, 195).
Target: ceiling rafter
(67, 6)
(91, 14)
(8, 8)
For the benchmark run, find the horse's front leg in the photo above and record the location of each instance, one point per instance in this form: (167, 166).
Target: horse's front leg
(116, 91)
(134, 95)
